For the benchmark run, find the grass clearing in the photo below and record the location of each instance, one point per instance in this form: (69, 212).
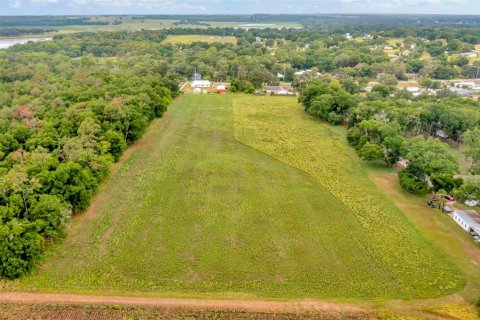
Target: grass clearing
(188, 39)
(386, 241)
(288, 213)
(440, 228)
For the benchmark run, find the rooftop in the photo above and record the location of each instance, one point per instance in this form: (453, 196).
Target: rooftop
(470, 217)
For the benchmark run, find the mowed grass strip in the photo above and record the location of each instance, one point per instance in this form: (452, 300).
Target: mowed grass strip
(191, 211)
(188, 39)
(391, 250)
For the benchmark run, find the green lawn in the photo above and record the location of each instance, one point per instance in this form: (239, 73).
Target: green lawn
(285, 211)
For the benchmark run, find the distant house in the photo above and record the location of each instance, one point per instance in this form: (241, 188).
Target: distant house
(258, 39)
(305, 72)
(280, 76)
(413, 89)
(200, 84)
(196, 76)
(461, 91)
(469, 220)
(197, 91)
(276, 90)
(411, 75)
(348, 36)
(465, 84)
(441, 134)
(368, 37)
(468, 54)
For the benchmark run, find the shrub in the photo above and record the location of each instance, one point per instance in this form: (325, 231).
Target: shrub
(411, 183)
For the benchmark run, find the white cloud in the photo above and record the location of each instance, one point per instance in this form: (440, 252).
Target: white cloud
(15, 4)
(407, 3)
(44, 2)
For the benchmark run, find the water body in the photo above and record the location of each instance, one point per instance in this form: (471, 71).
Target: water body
(7, 43)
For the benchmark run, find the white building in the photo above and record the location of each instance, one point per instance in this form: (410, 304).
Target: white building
(276, 90)
(468, 54)
(305, 72)
(197, 91)
(201, 84)
(469, 220)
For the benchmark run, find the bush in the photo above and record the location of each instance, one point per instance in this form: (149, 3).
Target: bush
(409, 182)
(356, 138)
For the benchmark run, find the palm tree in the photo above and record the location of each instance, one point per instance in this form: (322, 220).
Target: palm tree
(442, 193)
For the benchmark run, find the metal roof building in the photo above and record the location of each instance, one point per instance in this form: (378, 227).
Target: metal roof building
(469, 220)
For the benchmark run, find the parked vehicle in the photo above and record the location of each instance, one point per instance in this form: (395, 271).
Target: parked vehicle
(449, 197)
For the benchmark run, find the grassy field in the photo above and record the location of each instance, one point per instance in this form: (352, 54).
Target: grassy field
(188, 39)
(384, 239)
(287, 212)
(128, 23)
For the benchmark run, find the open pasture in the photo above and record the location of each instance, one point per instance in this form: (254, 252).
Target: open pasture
(188, 39)
(244, 197)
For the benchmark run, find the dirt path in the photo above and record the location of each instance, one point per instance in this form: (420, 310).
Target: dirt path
(196, 304)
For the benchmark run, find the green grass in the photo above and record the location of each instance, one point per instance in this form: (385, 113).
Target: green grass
(285, 211)
(128, 23)
(188, 39)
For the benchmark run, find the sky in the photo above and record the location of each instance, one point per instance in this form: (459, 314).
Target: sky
(98, 7)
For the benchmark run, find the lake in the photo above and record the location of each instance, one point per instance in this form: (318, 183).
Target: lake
(6, 43)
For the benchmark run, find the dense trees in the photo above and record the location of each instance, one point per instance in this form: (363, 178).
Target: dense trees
(63, 122)
(328, 101)
(403, 130)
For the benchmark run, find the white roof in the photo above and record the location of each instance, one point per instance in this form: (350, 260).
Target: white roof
(470, 217)
(200, 82)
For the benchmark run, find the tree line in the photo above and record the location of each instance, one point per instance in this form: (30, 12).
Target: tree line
(63, 122)
(403, 131)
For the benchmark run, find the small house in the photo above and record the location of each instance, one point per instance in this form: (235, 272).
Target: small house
(200, 84)
(276, 90)
(221, 88)
(196, 76)
(368, 37)
(411, 75)
(468, 54)
(469, 220)
(441, 134)
(197, 91)
(461, 92)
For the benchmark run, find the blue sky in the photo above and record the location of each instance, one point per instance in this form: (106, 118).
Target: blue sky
(38, 7)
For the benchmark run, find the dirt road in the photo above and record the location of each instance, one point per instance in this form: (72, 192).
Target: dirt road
(205, 304)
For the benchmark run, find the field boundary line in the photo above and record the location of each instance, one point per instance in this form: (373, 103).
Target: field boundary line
(297, 306)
